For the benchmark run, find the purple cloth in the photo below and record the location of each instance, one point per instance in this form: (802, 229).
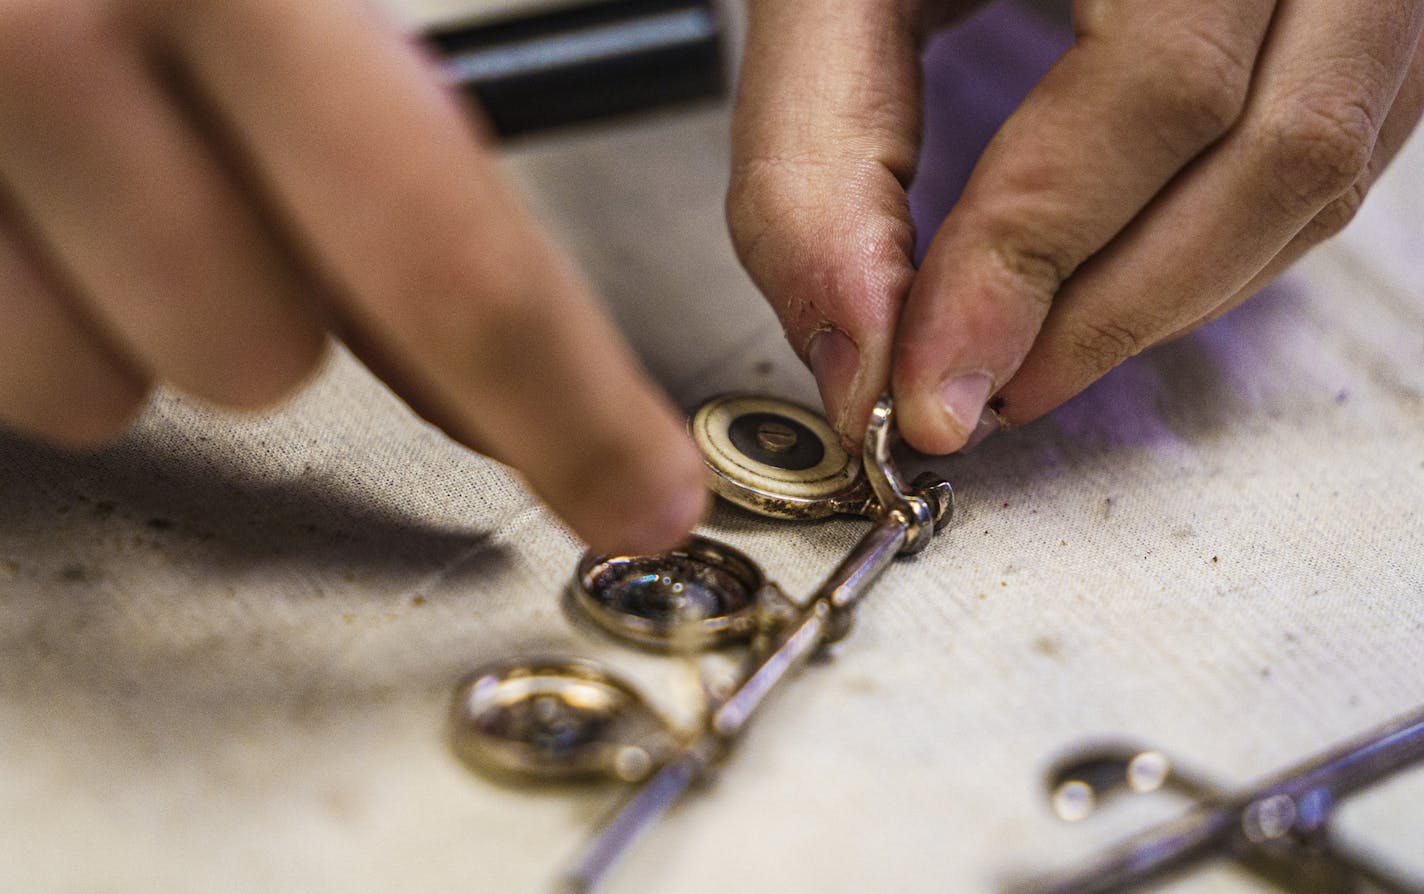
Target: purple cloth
(976, 74)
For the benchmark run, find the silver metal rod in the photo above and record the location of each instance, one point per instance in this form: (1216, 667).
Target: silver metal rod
(1300, 800)
(1356, 764)
(837, 596)
(1148, 857)
(866, 562)
(793, 652)
(650, 802)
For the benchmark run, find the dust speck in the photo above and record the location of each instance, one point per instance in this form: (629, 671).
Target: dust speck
(861, 686)
(74, 573)
(417, 600)
(1047, 647)
(342, 805)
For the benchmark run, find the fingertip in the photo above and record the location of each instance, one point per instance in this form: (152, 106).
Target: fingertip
(989, 424)
(261, 370)
(652, 516)
(967, 326)
(946, 417)
(962, 399)
(664, 527)
(92, 416)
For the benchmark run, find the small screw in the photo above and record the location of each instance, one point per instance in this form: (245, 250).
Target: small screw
(775, 437)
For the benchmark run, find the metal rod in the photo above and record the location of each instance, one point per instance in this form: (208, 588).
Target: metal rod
(793, 652)
(1356, 764)
(813, 628)
(1299, 799)
(866, 562)
(650, 802)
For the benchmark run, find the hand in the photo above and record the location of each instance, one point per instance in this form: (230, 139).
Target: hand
(1179, 156)
(194, 192)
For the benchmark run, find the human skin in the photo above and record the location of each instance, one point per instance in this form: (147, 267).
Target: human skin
(1180, 155)
(198, 193)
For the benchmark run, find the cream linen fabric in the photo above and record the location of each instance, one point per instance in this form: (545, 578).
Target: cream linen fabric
(227, 645)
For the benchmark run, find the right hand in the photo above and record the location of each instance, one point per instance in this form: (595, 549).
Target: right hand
(1175, 159)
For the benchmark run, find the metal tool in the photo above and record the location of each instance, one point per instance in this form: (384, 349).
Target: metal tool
(574, 61)
(1278, 829)
(553, 719)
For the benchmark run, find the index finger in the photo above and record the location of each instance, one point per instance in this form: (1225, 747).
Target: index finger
(434, 261)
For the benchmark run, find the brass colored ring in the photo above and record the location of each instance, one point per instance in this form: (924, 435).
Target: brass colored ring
(701, 595)
(772, 456)
(555, 719)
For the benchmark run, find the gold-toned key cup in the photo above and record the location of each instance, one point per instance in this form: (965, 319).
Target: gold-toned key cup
(777, 459)
(561, 719)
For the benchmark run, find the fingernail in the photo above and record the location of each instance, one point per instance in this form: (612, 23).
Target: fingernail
(964, 398)
(834, 362)
(988, 424)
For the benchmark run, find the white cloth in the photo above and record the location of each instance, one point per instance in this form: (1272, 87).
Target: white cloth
(227, 645)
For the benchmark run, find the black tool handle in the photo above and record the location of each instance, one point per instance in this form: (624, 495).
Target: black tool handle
(584, 62)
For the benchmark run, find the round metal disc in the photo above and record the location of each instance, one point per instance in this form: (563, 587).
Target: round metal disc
(555, 719)
(772, 456)
(701, 595)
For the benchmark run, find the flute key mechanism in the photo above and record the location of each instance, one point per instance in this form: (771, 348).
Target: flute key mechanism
(561, 719)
